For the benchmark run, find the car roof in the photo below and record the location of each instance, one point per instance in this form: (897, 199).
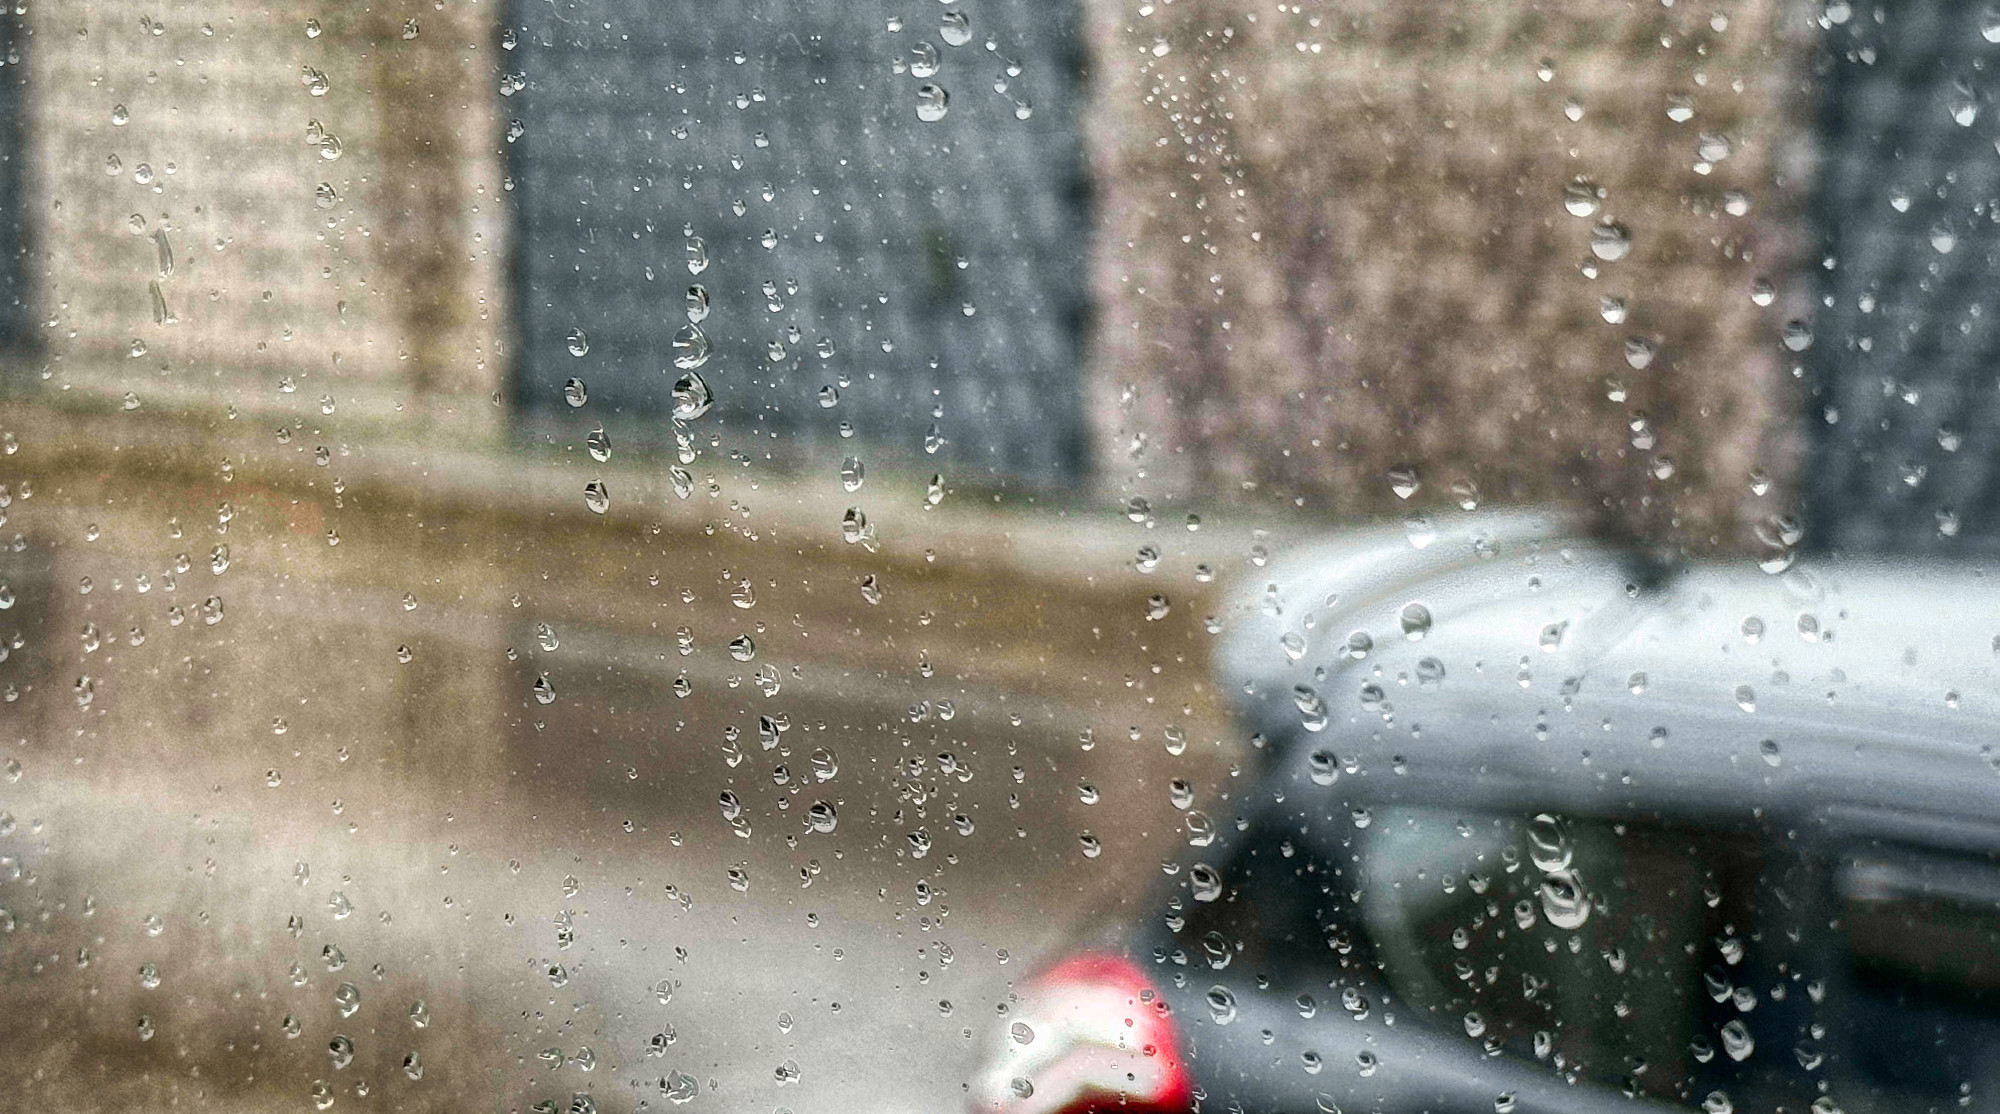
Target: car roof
(1555, 668)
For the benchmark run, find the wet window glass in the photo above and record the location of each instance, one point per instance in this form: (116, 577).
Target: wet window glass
(1015, 556)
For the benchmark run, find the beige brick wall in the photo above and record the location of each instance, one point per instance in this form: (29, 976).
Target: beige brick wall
(1334, 240)
(384, 293)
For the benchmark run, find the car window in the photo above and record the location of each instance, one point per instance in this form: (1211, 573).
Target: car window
(1492, 925)
(1918, 929)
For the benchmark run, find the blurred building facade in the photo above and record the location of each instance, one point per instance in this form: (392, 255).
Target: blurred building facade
(1512, 253)
(1518, 247)
(226, 207)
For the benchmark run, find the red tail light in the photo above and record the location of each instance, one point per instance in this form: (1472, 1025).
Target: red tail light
(1090, 1034)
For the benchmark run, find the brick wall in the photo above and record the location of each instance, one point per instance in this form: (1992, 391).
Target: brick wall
(1335, 240)
(371, 277)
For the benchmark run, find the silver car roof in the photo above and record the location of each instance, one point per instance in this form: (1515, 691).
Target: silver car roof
(1555, 671)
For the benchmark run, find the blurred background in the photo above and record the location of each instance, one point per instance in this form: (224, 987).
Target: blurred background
(665, 554)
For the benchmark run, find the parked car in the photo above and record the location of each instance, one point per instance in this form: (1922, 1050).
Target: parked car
(1541, 826)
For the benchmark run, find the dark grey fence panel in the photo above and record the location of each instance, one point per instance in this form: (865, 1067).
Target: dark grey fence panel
(940, 263)
(17, 325)
(1906, 358)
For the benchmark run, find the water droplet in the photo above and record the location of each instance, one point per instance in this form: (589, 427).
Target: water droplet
(955, 28)
(1416, 621)
(852, 474)
(545, 690)
(1809, 629)
(924, 61)
(1563, 901)
(1419, 530)
(691, 347)
(1610, 241)
(599, 444)
(1430, 672)
(120, 115)
(575, 392)
(692, 397)
(1737, 1042)
(1639, 353)
(697, 262)
(1221, 1005)
(1582, 197)
(679, 1088)
(932, 103)
(1322, 767)
(1549, 845)
(579, 344)
(596, 496)
(341, 1050)
(1552, 636)
(1404, 481)
(1293, 644)
(1311, 706)
(854, 526)
(1964, 108)
(1204, 881)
